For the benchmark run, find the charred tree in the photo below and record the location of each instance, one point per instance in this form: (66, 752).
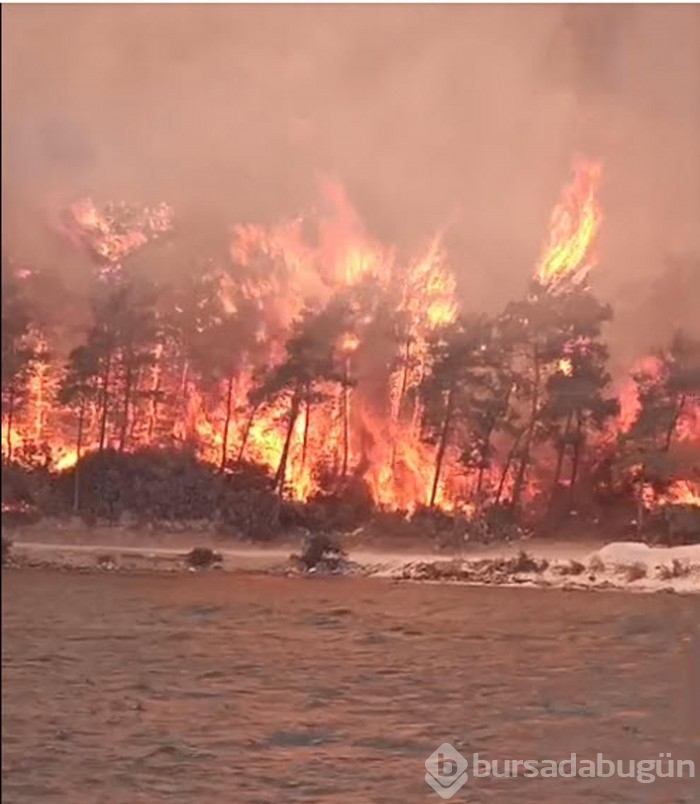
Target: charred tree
(227, 423)
(442, 445)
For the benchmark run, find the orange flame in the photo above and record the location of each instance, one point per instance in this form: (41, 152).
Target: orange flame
(565, 367)
(574, 223)
(369, 423)
(389, 454)
(684, 492)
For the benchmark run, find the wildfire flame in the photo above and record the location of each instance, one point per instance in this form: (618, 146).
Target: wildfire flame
(385, 450)
(575, 220)
(115, 231)
(684, 492)
(565, 367)
(369, 424)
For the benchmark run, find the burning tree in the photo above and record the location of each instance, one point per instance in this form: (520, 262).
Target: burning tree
(24, 356)
(16, 353)
(553, 338)
(455, 389)
(79, 391)
(314, 361)
(323, 359)
(577, 394)
(661, 449)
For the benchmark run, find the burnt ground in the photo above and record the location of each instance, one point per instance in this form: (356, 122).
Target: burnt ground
(238, 688)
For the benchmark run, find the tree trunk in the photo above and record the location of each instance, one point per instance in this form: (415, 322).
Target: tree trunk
(153, 418)
(181, 400)
(155, 393)
(104, 402)
(133, 429)
(305, 441)
(525, 460)
(674, 422)
(282, 468)
(183, 380)
(346, 425)
(78, 452)
(485, 451)
(10, 420)
(506, 467)
(402, 391)
(639, 489)
(479, 480)
(38, 392)
(246, 433)
(128, 383)
(404, 378)
(561, 451)
(442, 445)
(227, 423)
(576, 459)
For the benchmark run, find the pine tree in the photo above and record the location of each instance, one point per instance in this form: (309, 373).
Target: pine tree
(313, 356)
(577, 401)
(79, 389)
(18, 352)
(457, 379)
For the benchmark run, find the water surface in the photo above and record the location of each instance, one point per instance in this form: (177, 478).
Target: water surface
(234, 688)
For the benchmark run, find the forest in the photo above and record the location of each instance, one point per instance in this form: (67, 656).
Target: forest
(303, 376)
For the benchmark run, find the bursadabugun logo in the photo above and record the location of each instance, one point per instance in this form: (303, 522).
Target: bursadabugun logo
(446, 771)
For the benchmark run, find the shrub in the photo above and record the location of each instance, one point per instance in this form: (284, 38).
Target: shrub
(320, 548)
(248, 505)
(673, 525)
(345, 507)
(25, 490)
(152, 484)
(202, 557)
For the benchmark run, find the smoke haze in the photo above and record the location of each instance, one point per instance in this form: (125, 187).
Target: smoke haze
(466, 117)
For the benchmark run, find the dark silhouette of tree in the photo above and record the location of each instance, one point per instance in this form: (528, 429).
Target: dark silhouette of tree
(559, 374)
(530, 327)
(223, 340)
(18, 352)
(79, 388)
(491, 410)
(457, 379)
(312, 357)
(577, 401)
(665, 395)
(122, 339)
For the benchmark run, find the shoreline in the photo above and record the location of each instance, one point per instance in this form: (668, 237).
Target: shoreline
(618, 566)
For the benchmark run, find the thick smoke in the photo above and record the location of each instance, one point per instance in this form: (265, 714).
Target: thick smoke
(461, 116)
